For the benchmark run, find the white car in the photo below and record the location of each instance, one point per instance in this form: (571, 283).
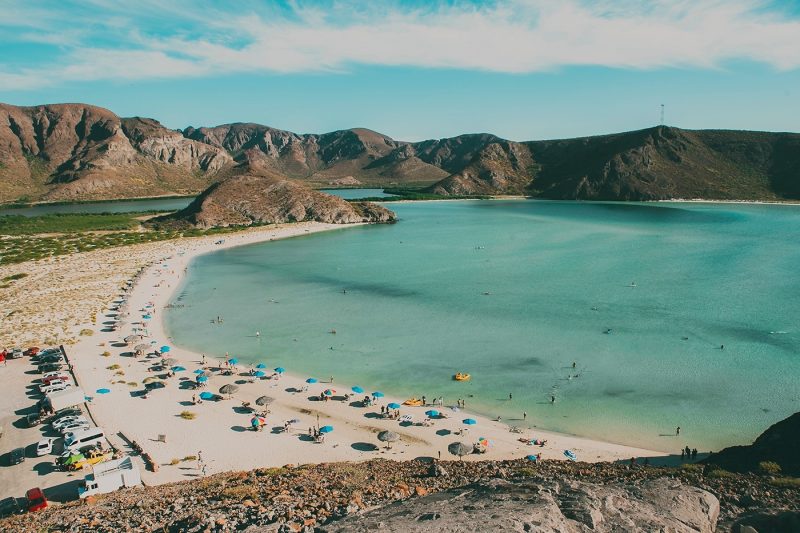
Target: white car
(49, 375)
(55, 387)
(73, 427)
(45, 446)
(67, 420)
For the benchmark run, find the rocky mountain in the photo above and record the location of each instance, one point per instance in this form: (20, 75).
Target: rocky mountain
(248, 199)
(77, 151)
(778, 444)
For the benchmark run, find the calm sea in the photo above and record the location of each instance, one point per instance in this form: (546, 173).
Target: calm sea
(640, 297)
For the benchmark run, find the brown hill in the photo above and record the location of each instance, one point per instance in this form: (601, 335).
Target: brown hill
(251, 199)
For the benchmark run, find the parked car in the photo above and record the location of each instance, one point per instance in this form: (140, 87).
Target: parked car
(45, 446)
(10, 506)
(74, 426)
(54, 379)
(33, 420)
(47, 375)
(69, 411)
(36, 500)
(67, 420)
(50, 358)
(50, 367)
(16, 456)
(14, 353)
(33, 350)
(55, 387)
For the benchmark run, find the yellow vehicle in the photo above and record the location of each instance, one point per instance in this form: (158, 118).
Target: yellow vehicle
(413, 402)
(462, 377)
(90, 458)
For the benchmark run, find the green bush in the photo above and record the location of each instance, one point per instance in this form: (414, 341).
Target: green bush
(769, 467)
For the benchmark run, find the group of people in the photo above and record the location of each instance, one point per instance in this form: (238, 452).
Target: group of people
(687, 454)
(316, 434)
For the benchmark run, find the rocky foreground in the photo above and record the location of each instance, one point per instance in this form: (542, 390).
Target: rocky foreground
(448, 496)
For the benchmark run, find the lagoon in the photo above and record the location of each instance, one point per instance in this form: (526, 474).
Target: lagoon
(639, 296)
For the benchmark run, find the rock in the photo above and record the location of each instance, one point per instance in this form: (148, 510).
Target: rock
(499, 505)
(420, 491)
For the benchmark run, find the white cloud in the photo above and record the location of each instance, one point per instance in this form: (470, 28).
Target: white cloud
(511, 36)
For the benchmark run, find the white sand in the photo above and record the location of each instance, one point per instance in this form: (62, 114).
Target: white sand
(222, 433)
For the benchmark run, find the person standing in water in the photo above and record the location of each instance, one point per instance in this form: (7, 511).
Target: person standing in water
(677, 431)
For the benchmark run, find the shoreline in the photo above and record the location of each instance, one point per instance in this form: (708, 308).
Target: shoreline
(123, 411)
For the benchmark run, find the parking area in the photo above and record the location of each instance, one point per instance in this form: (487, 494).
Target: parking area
(19, 386)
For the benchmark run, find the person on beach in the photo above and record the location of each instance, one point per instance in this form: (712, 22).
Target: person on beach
(552, 399)
(424, 402)
(677, 431)
(510, 397)
(258, 333)
(524, 415)
(694, 454)
(573, 364)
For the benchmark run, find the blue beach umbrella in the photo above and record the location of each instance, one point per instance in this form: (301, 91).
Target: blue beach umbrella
(532, 458)
(357, 389)
(432, 413)
(202, 379)
(164, 349)
(261, 365)
(103, 391)
(146, 317)
(259, 374)
(207, 395)
(311, 380)
(279, 369)
(377, 394)
(199, 371)
(469, 421)
(393, 405)
(178, 369)
(326, 429)
(233, 361)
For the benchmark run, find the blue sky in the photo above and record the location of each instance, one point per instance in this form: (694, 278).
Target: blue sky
(522, 69)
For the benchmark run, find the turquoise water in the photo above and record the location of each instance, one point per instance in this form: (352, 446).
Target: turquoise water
(558, 276)
(355, 194)
(158, 204)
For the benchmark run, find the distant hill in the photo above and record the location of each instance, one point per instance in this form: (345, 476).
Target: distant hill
(80, 152)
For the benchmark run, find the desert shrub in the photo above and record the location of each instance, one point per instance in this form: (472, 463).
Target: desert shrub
(86, 332)
(106, 354)
(113, 367)
(720, 473)
(188, 415)
(786, 482)
(769, 467)
(241, 492)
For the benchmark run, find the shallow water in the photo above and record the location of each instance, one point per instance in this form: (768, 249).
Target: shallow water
(131, 206)
(558, 276)
(356, 194)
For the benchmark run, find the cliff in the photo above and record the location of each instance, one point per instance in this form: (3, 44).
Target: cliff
(79, 152)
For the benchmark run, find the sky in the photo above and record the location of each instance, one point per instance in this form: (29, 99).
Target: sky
(413, 70)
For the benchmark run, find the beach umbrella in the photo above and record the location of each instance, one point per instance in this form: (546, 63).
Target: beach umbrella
(199, 371)
(311, 380)
(155, 385)
(233, 361)
(432, 413)
(149, 379)
(264, 400)
(406, 418)
(207, 396)
(170, 362)
(279, 369)
(454, 409)
(469, 421)
(141, 347)
(257, 421)
(326, 429)
(393, 405)
(357, 390)
(294, 421)
(259, 374)
(164, 349)
(532, 458)
(103, 391)
(388, 437)
(228, 389)
(377, 394)
(483, 441)
(261, 365)
(329, 392)
(569, 454)
(202, 378)
(460, 449)
(132, 338)
(146, 317)
(178, 369)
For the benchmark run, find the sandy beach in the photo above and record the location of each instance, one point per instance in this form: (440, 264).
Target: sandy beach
(221, 431)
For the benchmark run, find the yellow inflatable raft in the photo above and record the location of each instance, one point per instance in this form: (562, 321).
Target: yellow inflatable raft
(413, 402)
(462, 377)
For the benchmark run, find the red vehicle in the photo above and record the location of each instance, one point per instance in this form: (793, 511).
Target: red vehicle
(36, 500)
(33, 350)
(53, 379)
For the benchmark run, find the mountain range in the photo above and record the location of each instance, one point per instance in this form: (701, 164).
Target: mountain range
(82, 152)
